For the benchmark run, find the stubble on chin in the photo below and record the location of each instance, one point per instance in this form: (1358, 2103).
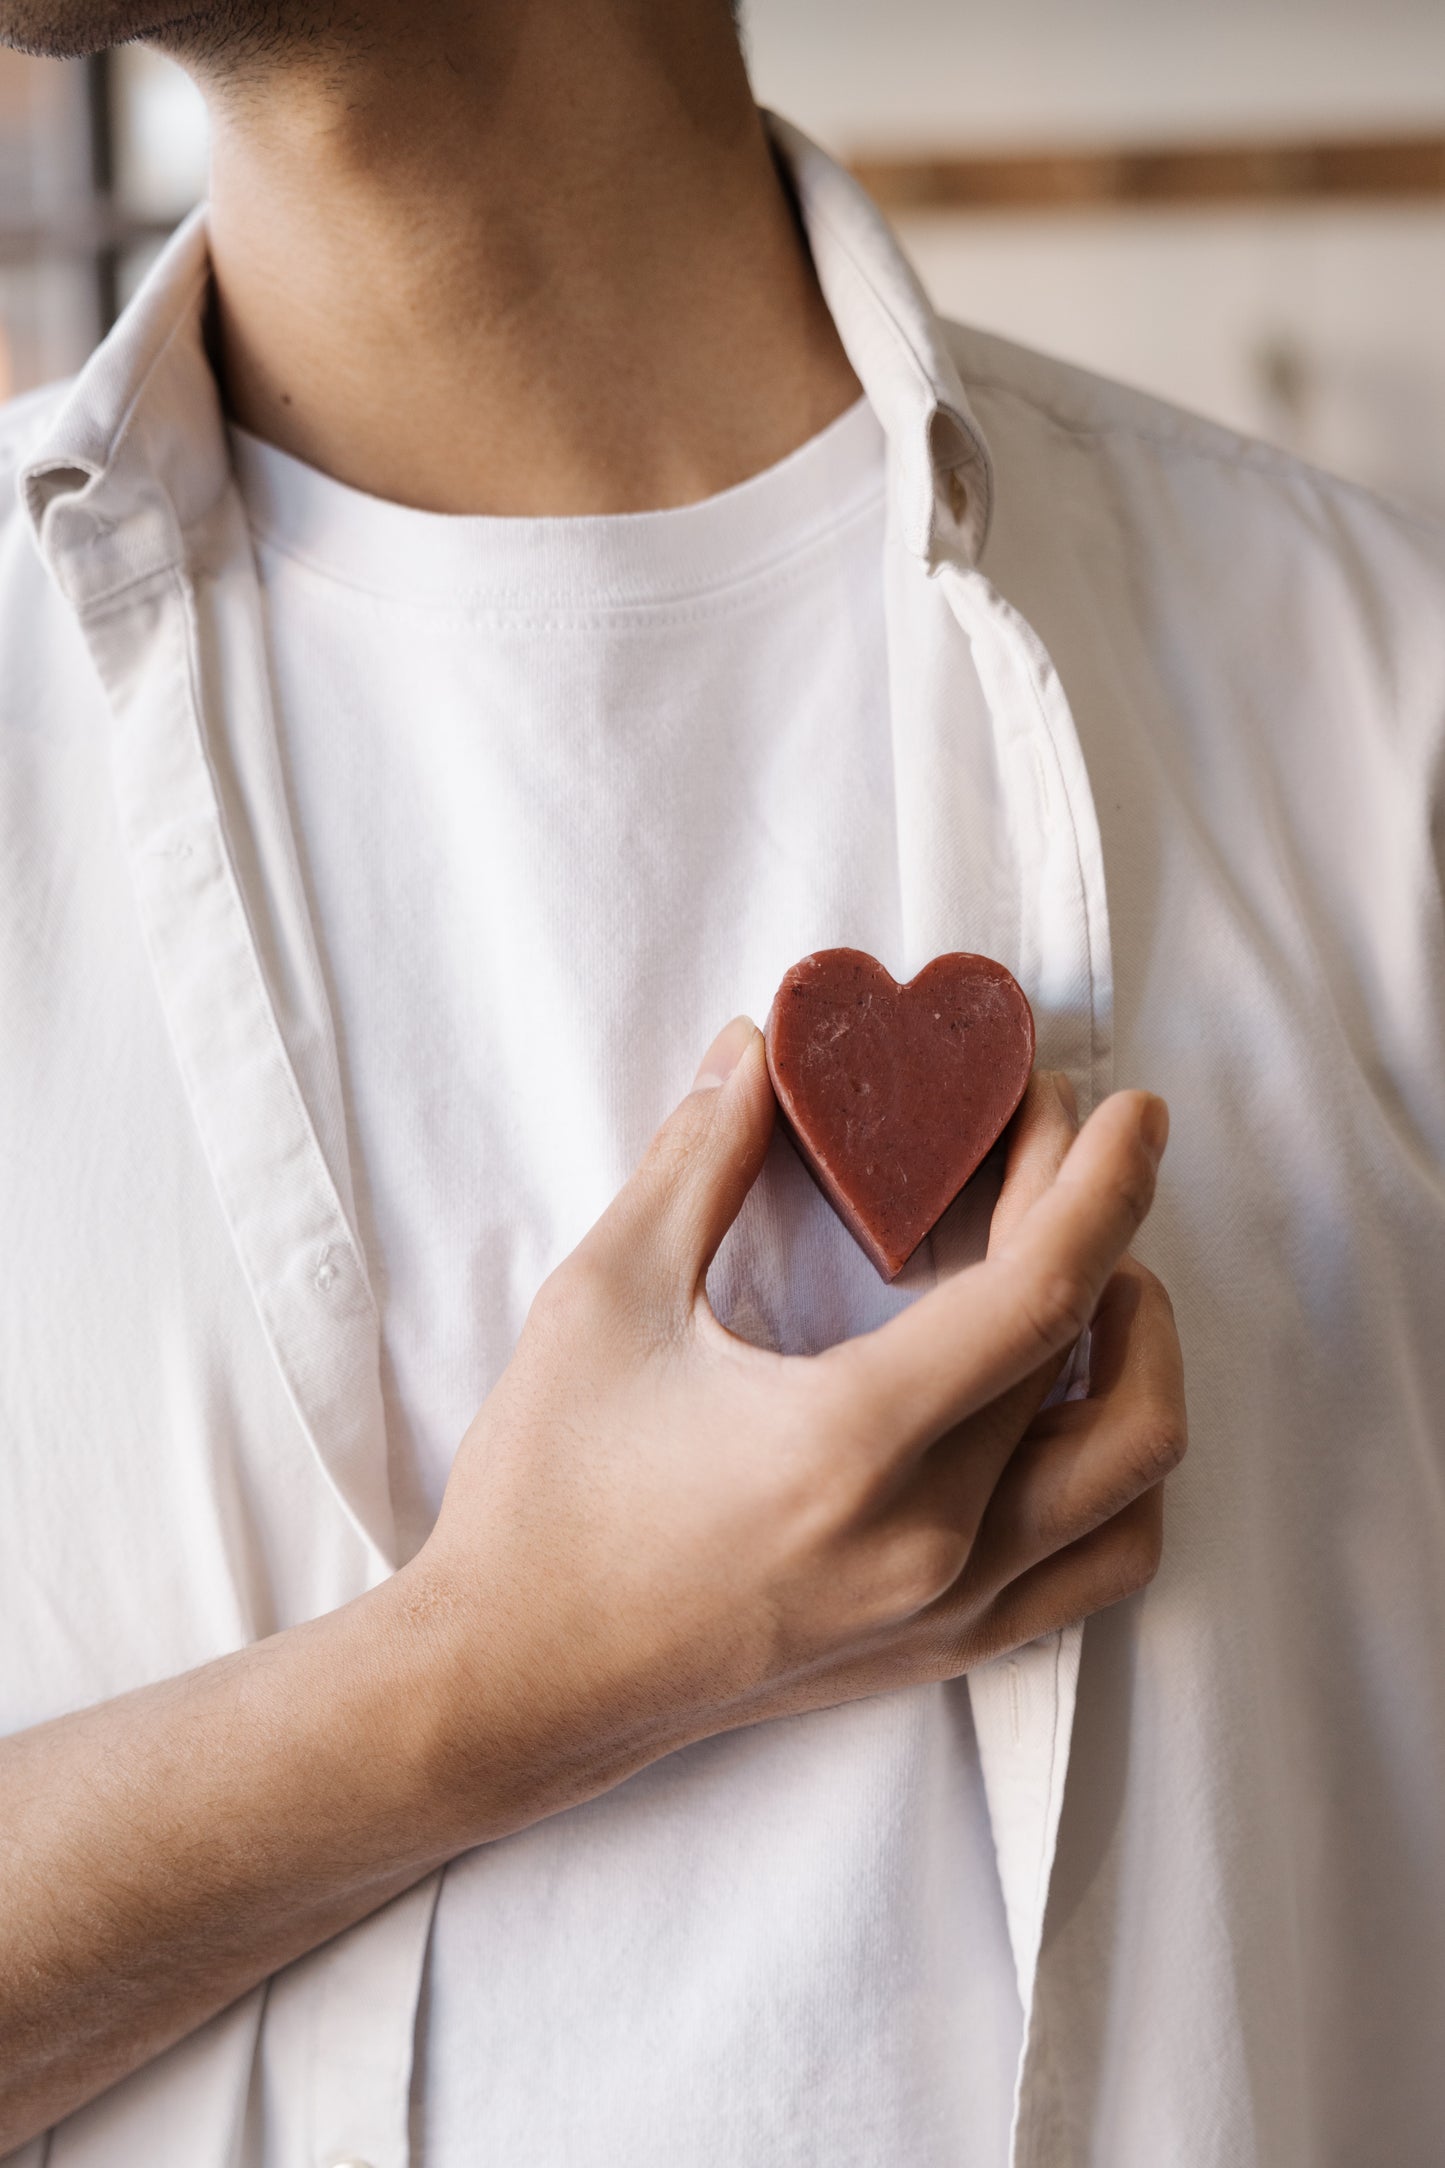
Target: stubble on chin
(203, 32)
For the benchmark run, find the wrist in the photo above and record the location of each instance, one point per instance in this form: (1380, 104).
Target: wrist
(405, 1722)
(489, 1731)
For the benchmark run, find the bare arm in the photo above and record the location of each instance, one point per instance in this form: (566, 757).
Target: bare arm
(162, 1852)
(770, 1534)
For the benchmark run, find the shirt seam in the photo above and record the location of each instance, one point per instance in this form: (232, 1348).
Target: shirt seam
(511, 606)
(1249, 452)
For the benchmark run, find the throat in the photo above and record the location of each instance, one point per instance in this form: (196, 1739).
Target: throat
(565, 280)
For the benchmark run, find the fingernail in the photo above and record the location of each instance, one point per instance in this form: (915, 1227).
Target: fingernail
(1154, 1127)
(1067, 1096)
(723, 1056)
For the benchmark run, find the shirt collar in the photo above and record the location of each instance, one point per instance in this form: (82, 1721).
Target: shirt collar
(943, 477)
(136, 450)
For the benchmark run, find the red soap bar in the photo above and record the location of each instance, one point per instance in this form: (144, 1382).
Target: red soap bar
(894, 1094)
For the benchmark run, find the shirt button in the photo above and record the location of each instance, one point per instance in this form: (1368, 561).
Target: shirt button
(349, 2160)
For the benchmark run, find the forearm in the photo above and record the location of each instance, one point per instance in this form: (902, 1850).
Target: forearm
(163, 1852)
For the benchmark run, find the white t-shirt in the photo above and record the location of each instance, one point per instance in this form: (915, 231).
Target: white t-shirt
(569, 793)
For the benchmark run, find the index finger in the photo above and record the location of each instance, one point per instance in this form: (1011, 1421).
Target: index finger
(990, 1326)
(1039, 1138)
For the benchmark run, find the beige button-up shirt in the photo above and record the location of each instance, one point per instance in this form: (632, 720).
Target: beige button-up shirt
(1168, 720)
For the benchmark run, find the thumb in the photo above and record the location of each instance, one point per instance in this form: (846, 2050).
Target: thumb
(672, 1213)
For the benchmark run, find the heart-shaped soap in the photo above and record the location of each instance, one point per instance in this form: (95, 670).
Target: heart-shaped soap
(895, 1094)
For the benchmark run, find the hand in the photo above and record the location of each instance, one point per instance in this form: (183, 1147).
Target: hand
(656, 1531)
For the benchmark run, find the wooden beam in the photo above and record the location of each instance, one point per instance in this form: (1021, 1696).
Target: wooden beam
(88, 232)
(1365, 168)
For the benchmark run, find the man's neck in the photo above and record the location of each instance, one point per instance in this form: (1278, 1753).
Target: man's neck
(525, 256)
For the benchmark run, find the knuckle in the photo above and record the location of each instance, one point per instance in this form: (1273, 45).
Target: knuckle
(1156, 1299)
(1054, 1523)
(821, 1456)
(1157, 1445)
(818, 1487)
(1151, 1287)
(1134, 1555)
(922, 1565)
(1058, 1306)
(843, 1395)
(549, 1303)
(1136, 1184)
(578, 1296)
(968, 1517)
(957, 1649)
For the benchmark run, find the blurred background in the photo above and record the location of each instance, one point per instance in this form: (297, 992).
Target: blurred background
(1240, 206)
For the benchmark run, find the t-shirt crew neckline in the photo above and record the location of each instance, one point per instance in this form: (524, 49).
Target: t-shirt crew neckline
(585, 562)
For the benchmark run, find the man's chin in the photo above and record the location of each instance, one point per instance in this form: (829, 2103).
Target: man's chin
(77, 29)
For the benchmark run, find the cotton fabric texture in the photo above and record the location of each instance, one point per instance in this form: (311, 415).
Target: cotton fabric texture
(1165, 715)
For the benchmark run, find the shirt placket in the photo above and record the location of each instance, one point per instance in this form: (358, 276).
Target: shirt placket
(963, 660)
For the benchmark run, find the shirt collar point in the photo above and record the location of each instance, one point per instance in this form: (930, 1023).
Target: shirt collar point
(90, 469)
(899, 350)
